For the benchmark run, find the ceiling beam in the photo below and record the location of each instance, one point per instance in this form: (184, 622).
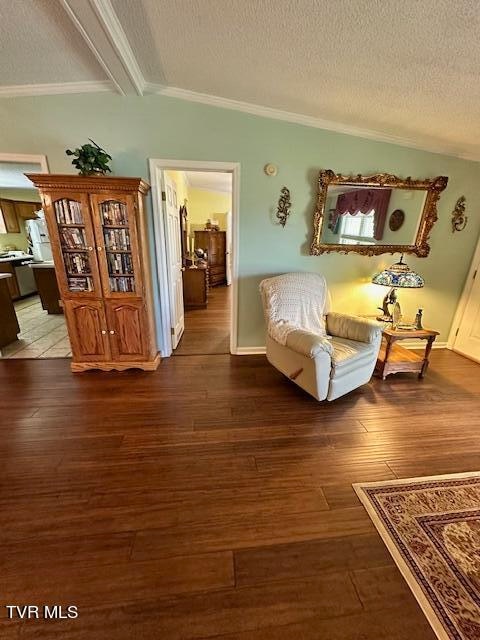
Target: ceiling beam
(100, 27)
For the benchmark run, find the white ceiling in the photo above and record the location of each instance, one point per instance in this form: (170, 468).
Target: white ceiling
(11, 175)
(406, 72)
(39, 44)
(212, 181)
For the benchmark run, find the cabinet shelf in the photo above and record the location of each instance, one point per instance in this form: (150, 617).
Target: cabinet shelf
(78, 275)
(121, 275)
(115, 226)
(71, 224)
(71, 250)
(118, 250)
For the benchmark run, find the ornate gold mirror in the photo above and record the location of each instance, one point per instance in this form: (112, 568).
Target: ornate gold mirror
(374, 214)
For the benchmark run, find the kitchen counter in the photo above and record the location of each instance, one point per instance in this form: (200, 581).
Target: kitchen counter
(42, 265)
(22, 282)
(47, 285)
(12, 257)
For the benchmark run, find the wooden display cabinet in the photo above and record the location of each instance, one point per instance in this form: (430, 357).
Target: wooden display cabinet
(97, 229)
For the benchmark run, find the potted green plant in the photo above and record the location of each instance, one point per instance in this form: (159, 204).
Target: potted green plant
(90, 159)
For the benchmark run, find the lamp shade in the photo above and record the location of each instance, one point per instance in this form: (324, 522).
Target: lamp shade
(399, 275)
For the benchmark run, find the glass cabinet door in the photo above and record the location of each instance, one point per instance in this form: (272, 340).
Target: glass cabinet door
(117, 241)
(74, 249)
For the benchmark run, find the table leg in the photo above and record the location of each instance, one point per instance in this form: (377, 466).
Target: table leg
(387, 352)
(428, 348)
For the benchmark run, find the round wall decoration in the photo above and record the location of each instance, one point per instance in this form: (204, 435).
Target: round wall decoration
(270, 169)
(396, 220)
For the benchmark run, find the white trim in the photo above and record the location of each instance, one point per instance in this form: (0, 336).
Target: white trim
(298, 118)
(135, 76)
(98, 24)
(56, 88)
(462, 304)
(251, 351)
(119, 41)
(157, 166)
(26, 158)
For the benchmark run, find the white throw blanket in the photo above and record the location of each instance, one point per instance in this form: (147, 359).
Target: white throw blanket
(295, 301)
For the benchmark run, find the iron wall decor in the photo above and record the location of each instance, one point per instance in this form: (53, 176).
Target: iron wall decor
(427, 217)
(284, 205)
(459, 219)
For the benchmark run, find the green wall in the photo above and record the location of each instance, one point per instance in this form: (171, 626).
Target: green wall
(134, 129)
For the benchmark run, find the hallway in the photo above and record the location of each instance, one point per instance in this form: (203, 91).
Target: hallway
(207, 331)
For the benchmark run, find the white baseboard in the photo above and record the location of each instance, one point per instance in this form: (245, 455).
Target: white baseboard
(413, 344)
(250, 351)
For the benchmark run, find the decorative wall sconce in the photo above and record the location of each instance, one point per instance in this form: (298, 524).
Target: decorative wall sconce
(284, 204)
(459, 219)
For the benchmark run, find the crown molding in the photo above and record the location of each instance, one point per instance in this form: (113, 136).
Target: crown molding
(18, 90)
(99, 26)
(298, 118)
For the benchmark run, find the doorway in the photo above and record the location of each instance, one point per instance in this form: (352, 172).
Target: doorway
(466, 324)
(31, 318)
(195, 215)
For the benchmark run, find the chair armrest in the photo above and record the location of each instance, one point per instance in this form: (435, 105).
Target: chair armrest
(353, 328)
(308, 344)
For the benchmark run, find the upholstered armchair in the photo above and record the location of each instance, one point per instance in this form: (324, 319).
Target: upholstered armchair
(327, 354)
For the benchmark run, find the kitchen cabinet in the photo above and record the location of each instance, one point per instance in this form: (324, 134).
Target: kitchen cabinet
(9, 328)
(46, 282)
(12, 284)
(9, 217)
(27, 210)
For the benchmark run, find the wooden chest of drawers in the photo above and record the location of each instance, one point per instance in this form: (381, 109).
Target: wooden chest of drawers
(195, 287)
(214, 243)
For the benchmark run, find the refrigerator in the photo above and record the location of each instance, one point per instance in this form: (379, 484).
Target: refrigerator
(39, 240)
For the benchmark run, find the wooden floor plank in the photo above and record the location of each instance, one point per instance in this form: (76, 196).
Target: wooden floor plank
(213, 499)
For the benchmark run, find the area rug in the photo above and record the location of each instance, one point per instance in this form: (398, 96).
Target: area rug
(431, 527)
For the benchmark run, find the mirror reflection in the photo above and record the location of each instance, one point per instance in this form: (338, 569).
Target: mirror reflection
(366, 215)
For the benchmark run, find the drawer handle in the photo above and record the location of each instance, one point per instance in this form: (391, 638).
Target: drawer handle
(103, 331)
(90, 248)
(111, 332)
(99, 248)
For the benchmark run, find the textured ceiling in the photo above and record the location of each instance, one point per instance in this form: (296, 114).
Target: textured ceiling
(407, 69)
(210, 180)
(39, 44)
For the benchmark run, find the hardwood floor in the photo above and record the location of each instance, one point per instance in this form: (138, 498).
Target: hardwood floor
(41, 335)
(207, 331)
(212, 498)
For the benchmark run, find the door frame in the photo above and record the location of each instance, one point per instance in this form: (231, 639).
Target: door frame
(26, 158)
(462, 305)
(157, 167)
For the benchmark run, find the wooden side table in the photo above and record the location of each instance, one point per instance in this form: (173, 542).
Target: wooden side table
(393, 358)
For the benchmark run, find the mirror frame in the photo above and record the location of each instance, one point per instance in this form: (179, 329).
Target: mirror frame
(421, 248)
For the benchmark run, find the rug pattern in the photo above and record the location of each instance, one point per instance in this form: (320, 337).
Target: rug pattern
(432, 529)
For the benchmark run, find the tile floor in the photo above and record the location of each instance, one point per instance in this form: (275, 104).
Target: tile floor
(41, 335)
